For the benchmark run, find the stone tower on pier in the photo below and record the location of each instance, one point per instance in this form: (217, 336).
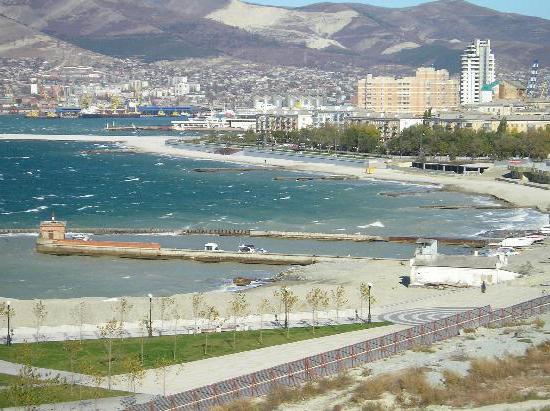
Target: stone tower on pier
(52, 229)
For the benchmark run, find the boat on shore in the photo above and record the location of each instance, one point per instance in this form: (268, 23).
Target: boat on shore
(251, 249)
(517, 242)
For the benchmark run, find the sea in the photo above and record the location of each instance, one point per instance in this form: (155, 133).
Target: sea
(103, 185)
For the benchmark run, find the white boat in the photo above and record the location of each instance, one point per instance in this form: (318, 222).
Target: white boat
(536, 237)
(200, 123)
(79, 236)
(211, 247)
(507, 251)
(247, 248)
(250, 248)
(517, 242)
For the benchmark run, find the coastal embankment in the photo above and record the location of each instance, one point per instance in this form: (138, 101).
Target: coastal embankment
(486, 184)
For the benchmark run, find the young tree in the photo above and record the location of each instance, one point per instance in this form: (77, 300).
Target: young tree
(166, 304)
(197, 303)
(22, 391)
(177, 316)
(211, 315)
(40, 313)
(263, 308)
(72, 348)
(109, 331)
(134, 370)
(237, 308)
(339, 299)
(143, 330)
(161, 369)
(93, 371)
(316, 298)
(79, 314)
(288, 300)
(365, 295)
(6, 311)
(124, 307)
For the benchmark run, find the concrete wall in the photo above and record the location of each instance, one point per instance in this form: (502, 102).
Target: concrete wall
(459, 276)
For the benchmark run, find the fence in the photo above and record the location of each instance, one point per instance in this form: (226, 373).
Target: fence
(335, 361)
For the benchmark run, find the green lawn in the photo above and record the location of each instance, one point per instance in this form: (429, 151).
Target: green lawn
(6, 379)
(49, 393)
(188, 347)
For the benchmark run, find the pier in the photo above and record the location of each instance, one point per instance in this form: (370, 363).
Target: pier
(152, 251)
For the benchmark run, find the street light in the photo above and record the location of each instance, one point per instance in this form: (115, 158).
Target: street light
(369, 317)
(8, 337)
(150, 328)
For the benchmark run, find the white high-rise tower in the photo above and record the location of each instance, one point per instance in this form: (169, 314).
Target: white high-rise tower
(478, 69)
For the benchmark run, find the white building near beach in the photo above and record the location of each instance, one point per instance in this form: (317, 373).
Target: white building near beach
(430, 268)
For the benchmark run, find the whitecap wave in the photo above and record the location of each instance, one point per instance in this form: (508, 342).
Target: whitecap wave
(375, 224)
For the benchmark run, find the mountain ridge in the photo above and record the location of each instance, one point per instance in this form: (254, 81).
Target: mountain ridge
(322, 34)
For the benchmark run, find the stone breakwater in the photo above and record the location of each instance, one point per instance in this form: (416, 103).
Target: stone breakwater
(290, 235)
(153, 251)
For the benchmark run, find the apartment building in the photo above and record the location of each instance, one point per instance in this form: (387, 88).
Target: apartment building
(478, 70)
(428, 89)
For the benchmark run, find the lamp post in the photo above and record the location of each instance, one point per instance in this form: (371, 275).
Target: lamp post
(369, 317)
(150, 328)
(8, 337)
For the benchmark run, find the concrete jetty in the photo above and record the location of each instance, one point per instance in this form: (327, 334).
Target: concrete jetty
(153, 251)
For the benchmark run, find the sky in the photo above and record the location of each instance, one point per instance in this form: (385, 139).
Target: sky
(539, 8)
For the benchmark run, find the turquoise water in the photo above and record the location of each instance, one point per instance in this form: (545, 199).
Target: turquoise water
(90, 185)
(85, 126)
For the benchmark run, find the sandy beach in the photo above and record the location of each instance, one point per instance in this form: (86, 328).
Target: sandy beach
(518, 195)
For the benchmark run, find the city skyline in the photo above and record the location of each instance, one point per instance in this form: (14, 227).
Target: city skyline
(536, 8)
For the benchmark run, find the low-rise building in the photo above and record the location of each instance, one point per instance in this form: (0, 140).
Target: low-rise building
(479, 121)
(428, 268)
(282, 120)
(389, 126)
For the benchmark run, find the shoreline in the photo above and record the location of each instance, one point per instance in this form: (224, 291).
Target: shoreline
(510, 194)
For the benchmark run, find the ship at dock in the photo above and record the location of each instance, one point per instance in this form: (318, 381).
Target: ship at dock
(95, 112)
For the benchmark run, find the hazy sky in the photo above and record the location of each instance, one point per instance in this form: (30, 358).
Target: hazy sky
(539, 8)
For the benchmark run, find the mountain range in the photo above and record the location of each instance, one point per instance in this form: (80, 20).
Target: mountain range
(322, 34)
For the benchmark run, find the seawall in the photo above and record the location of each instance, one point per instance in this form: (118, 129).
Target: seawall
(150, 253)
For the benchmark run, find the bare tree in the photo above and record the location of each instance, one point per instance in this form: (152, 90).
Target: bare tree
(40, 313)
(316, 298)
(72, 348)
(143, 330)
(197, 303)
(237, 307)
(161, 369)
(124, 307)
(166, 304)
(264, 307)
(79, 314)
(339, 299)
(211, 315)
(288, 300)
(176, 316)
(109, 331)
